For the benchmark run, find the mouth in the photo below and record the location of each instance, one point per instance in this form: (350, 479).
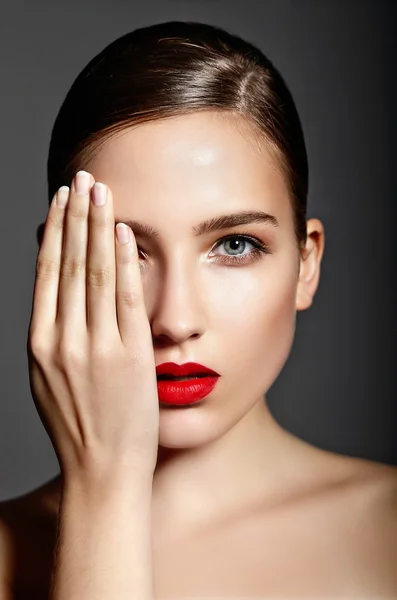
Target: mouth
(181, 378)
(184, 389)
(190, 370)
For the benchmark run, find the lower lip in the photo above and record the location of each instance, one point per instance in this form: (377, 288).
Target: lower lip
(181, 393)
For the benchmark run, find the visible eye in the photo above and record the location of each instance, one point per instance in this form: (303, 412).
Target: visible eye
(142, 257)
(236, 244)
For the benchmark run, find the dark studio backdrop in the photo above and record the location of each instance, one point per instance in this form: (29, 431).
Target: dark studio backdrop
(339, 60)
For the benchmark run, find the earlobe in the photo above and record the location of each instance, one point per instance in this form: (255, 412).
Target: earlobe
(309, 273)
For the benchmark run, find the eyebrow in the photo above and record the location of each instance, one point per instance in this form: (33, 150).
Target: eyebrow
(208, 226)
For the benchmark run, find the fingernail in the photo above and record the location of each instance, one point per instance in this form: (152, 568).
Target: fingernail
(122, 232)
(82, 183)
(99, 194)
(62, 196)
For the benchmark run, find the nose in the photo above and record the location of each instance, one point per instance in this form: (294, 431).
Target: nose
(178, 314)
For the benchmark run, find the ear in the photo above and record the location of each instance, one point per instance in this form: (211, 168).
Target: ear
(309, 272)
(40, 233)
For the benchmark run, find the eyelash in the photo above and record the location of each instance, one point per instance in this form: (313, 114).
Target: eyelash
(259, 250)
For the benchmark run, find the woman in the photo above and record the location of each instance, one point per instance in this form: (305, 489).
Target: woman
(175, 489)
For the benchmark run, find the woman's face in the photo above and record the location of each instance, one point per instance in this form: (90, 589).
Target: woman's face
(237, 318)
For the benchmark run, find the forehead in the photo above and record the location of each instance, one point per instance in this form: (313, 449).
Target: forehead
(198, 159)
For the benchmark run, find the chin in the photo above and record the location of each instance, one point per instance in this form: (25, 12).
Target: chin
(188, 426)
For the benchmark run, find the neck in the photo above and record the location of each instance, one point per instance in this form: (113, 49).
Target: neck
(224, 477)
(252, 465)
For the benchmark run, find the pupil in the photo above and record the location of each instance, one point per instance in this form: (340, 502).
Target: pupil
(235, 242)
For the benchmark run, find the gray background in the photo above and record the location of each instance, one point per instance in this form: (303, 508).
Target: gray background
(339, 60)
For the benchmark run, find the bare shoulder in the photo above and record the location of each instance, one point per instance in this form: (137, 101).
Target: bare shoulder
(355, 516)
(379, 497)
(377, 529)
(363, 487)
(376, 484)
(365, 516)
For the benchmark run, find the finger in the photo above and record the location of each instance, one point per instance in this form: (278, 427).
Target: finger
(45, 295)
(131, 314)
(72, 280)
(101, 268)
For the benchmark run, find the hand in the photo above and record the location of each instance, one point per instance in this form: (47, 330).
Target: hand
(91, 361)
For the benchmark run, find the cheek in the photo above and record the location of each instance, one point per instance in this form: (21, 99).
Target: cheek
(256, 317)
(261, 297)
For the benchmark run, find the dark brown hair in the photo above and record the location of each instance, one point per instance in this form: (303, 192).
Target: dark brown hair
(171, 69)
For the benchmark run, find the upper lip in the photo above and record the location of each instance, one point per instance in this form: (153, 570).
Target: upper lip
(184, 370)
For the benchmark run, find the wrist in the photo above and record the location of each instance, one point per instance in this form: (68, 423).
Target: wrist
(100, 485)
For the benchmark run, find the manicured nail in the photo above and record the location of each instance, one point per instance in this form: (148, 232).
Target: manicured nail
(99, 194)
(82, 183)
(123, 235)
(62, 196)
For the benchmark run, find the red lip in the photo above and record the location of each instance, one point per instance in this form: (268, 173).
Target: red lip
(184, 370)
(184, 393)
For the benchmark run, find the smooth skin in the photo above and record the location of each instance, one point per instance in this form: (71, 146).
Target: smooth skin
(230, 488)
(89, 340)
(90, 368)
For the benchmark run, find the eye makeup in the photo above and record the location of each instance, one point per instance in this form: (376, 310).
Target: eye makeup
(259, 250)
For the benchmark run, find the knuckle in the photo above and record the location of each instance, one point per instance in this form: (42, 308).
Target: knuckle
(128, 299)
(38, 346)
(100, 219)
(125, 256)
(72, 267)
(77, 213)
(98, 277)
(55, 219)
(68, 352)
(46, 268)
